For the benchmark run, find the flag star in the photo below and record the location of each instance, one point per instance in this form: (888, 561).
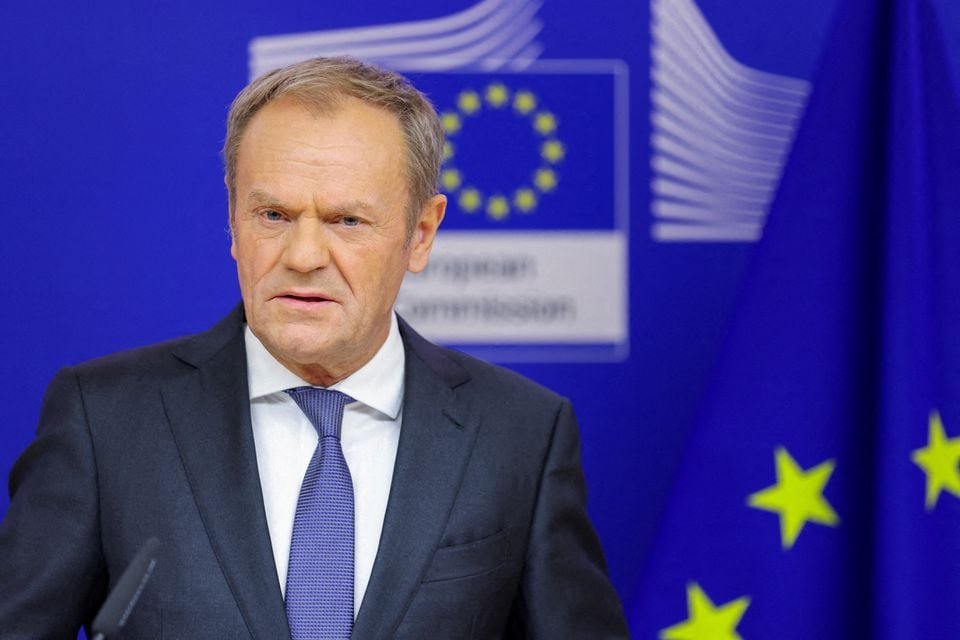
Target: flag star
(498, 207)
(451, 123)
(797, 497)
(470, 200)
(497, 95)
(468, 102)
(544, 123)
(545, 180)
(940, 461)
(553, 151)
(525, 199)
(707, 621)
(524, 102)
(451, 179)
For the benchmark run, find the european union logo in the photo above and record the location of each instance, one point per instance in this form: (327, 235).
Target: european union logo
(528, 150)
(504, 108)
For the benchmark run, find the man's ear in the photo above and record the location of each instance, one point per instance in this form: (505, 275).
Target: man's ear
(421, 242)
(233, 234)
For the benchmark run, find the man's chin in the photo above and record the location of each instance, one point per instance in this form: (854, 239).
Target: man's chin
(301, 343)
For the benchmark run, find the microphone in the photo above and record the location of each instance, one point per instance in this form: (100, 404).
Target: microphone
(115, 612)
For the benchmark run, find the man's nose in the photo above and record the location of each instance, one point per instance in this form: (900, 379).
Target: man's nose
(308, 246)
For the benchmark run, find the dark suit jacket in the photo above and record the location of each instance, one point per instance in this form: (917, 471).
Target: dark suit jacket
(485, 534)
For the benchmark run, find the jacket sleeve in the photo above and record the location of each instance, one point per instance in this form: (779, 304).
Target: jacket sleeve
(52, 575)
(565, 592)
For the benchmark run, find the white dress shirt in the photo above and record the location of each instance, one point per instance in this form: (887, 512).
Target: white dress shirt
(286, 440)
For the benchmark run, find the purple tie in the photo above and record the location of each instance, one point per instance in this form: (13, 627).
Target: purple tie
(319, 597)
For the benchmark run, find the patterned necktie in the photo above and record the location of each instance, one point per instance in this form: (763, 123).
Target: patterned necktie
(319, 596)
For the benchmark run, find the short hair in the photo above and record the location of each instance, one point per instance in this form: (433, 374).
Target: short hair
(322, 83)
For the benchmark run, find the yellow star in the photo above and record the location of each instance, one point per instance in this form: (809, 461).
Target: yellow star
(545, 179)
(553, 151)
(497, 95)
(544, 123)
(498, 208)
(468, 102)
(450, 179)
(470, 200)
(448, 150)
(707, 621)
(451, 122)
(524, 102)
(797, 497)
(940, 460)
(525, 199)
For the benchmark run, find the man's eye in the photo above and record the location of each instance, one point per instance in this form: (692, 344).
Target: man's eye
(350, 221)
(272, 216)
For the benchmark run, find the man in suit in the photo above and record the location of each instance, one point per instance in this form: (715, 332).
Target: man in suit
(465, 505)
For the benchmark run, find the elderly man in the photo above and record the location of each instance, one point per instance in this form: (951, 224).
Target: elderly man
(311, 466)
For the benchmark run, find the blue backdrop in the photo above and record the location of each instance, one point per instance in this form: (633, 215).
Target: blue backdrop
(114, 212)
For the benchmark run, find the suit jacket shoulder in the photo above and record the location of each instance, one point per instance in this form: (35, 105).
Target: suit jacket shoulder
(150, 442)
(163, 359)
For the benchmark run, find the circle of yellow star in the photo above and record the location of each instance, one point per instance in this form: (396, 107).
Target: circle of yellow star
(797, 497)
(497, 95)
(940, 460)
(524, 198)
(707, 621)
(468, 102)
(524, 102)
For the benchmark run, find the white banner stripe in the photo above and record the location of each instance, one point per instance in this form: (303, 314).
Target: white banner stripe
(686, 129)
(683, 192)
(692, 212)
(686, 17)
(669, 232)
(716, 181)
(414, 30)
(496, 27)
(670, 61)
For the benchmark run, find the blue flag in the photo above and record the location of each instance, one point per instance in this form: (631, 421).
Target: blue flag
(819, 493)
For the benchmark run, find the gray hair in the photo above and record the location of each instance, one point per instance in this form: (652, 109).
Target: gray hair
(321, 84)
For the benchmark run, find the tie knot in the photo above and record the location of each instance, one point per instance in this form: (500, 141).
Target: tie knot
(324, 407)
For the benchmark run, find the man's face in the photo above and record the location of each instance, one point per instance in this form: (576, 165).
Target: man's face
(320, 233)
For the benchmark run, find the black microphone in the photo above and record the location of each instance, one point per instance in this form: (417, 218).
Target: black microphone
(119, 604)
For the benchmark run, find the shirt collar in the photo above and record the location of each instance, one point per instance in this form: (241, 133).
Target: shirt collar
(377, 384)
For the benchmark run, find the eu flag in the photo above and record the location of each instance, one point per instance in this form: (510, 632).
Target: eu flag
(819, 493)
(530, 149)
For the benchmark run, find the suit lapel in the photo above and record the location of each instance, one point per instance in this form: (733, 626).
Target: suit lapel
(208, 409)
(436, 438)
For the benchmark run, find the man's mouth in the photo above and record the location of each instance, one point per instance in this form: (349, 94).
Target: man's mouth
(303, 298)
(306, 298)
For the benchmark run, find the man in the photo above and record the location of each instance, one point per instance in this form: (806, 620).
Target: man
(311, 459)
